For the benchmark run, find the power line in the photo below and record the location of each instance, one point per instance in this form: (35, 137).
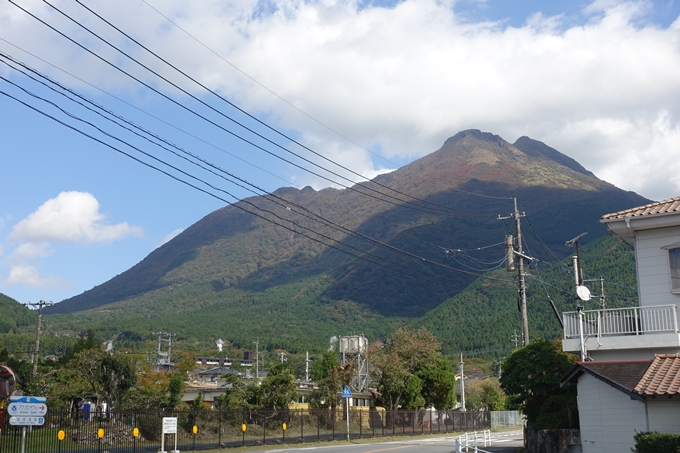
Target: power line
(393, 248)
(245, 112)
(284, 203)
(263, 86)
(200, 189)
(249, 203)
(423, 208)
(202, 181)
(212, 145)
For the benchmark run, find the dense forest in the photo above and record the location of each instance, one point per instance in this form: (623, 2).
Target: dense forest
(480, 321)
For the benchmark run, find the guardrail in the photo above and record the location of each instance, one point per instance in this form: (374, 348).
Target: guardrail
(469, 441)
(141, 431)
(622, 321)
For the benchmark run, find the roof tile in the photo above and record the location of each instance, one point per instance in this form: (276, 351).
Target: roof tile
(662, 377)
(659, 207)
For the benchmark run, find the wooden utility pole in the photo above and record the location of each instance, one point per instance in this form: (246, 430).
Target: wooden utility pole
(517, 250)
(522, 283)
(36, 351)
(462, 383)
(257, 359)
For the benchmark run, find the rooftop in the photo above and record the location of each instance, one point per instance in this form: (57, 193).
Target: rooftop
(659, 207)
(637, 378)
(662, 377)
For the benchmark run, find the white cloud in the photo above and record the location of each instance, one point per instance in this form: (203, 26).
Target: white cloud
(29, 276)
(28, 252)
(70, 217)
(406, 77)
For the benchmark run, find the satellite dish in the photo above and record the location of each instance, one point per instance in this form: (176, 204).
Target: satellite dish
(583, 293)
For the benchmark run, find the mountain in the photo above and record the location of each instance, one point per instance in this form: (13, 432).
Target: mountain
(236, 275)
(14, 315)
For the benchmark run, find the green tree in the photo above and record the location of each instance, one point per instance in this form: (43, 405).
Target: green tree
(531, 377)
(439, 384)
(83, 343)
(91, 374)
(153, 389)
(175, 387)
(485, 395)
(321, 369)
(25, 380)
(278, 388)
(331, 377)
(405, 364)
(117, 375)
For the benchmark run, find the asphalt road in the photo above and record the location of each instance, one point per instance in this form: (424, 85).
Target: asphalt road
(505, 442)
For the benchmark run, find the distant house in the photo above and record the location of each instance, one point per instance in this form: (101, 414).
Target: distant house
(630, 380)
(216, 374)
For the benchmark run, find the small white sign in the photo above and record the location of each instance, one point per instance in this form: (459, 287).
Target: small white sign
(169, 425)
(26, 421)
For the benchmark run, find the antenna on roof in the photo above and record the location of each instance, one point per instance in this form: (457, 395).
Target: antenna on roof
(572, 243)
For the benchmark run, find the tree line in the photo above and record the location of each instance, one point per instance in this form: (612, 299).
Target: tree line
(407, 371)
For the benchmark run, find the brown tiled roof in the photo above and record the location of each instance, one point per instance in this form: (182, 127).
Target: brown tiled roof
(662, 377)
(659, 207)
(623, 375)
(626, 373)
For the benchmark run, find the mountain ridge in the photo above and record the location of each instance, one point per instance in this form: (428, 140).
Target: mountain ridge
(232, 265)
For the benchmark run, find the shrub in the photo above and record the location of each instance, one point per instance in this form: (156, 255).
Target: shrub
(150, 426)
(657, 443)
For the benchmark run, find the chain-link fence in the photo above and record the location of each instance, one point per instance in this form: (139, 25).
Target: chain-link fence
(136, 431)
(506, 420)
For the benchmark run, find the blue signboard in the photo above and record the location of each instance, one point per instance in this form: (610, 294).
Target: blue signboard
(346, 393)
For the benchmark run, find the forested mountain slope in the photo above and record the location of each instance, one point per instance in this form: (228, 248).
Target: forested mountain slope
(233, 275)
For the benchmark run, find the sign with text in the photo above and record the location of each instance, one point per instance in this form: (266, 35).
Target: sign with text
(26, 421)
(169, 425)
(27, 409)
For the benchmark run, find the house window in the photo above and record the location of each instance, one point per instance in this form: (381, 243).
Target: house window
(674, 261)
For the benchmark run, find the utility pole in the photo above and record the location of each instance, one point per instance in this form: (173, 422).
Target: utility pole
(307, 366)
(462, 383)
(517, 250)
(282, 356)
(257, 359)
(515, 339)
(578, 271)
(34, 356)
(602, 296)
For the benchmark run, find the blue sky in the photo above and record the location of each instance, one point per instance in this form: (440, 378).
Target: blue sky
(599, 81)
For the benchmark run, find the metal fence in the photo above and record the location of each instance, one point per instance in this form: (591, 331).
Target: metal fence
(622, 321)
(135, 431)
(506, 420)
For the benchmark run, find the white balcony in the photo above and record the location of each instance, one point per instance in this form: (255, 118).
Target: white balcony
(639, 330)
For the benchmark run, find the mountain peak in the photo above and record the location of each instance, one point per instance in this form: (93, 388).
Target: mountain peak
(475, 134)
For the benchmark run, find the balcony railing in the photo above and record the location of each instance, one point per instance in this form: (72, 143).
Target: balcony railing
(622, 321)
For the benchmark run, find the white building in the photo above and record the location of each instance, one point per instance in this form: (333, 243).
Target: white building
(631, 381)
